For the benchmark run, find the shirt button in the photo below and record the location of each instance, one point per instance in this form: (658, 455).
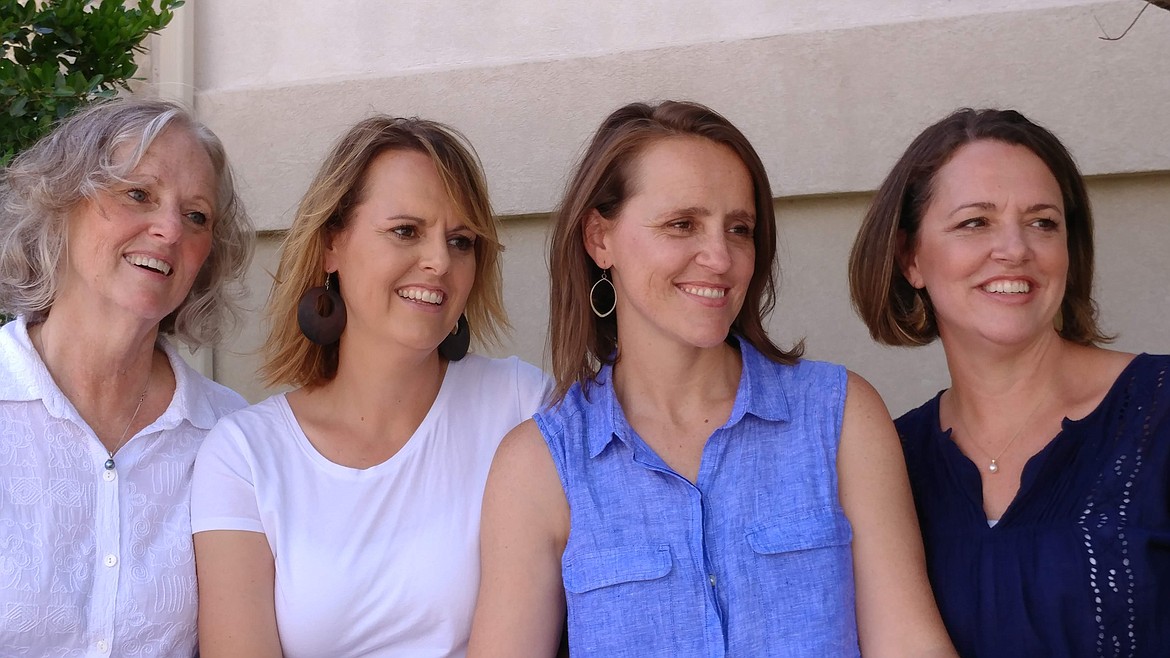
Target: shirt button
(111, 560)
(103, 646)
(109, 476)
(711, 577)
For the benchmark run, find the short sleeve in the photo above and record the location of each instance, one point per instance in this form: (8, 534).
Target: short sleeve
(534, 388)
(223, 496)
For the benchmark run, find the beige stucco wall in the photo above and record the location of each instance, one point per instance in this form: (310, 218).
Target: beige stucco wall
(830, 97)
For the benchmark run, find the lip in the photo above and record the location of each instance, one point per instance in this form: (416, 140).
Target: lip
(705, 293)
(422, 297)
(150, 263)
(1008, 283)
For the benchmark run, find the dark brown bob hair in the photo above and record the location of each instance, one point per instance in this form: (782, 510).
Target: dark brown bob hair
(603, 181)
(898, 314)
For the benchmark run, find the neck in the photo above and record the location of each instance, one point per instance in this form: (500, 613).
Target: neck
(383, 387)
(1004, 383)
(672, 379)
(95, 360)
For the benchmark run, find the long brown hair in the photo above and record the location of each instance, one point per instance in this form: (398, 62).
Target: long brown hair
(338, 188)
(893, 310)
(603, 181)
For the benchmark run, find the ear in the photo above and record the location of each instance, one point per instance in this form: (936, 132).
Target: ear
(332, 256)
(596, 235)
(907, 257)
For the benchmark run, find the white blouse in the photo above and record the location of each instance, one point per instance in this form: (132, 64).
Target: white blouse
(96, 562)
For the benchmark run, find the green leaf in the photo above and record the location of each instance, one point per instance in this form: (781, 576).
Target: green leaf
(17, 107)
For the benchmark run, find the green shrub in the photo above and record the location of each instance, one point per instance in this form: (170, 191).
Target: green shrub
(56, 55)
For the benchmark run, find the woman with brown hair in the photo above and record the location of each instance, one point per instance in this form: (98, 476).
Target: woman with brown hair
(342, 518)
(697, 490)
(1042, 475)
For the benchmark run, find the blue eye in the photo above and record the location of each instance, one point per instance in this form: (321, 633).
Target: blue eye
(197, 218)
(137, 194)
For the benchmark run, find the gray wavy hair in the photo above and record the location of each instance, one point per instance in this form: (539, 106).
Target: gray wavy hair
(78, 160)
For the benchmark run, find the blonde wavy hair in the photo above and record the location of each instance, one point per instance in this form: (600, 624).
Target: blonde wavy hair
(290, 359)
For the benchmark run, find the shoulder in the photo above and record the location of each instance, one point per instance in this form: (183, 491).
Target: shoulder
(918, 423)
(523, 446)
(269, 413)
(805, 377)
(17, 363)
(809, 374)
(200, 399)
(509, 378)
(253, 428)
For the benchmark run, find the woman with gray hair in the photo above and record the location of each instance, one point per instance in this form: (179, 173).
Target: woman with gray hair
(118, 228)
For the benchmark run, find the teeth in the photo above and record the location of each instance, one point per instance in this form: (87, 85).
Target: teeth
(420, 295)
(712, 293)
(149, 263)
(1009, 287)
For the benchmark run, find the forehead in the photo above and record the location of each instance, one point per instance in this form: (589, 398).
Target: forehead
(175, 154)
(991, 171)
(690, 162)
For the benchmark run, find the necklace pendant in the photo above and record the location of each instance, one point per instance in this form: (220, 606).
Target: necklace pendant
(993, 467)
(110, 464)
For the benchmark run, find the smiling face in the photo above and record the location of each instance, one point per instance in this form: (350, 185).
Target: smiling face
(681, 249)
(406, 258)
(137, 247)
(992, 246)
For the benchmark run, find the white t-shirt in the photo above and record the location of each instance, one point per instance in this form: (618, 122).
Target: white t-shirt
(381, 561)
(93, 562)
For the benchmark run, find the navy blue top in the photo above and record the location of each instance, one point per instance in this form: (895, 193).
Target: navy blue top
(1079, 564)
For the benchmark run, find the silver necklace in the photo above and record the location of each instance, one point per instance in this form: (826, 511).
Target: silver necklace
(110, 462)
(993, 467)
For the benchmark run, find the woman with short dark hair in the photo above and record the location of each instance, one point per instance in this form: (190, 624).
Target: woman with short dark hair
(1042, 475)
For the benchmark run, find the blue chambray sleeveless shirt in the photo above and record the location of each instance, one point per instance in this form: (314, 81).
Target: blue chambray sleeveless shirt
(753, 559)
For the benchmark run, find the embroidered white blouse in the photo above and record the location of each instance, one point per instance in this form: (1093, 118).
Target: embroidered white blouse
(96, 562)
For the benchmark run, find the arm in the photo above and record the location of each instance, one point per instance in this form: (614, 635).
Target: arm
(233, 561)
(525, 525)
(237, 608)
(896, 612)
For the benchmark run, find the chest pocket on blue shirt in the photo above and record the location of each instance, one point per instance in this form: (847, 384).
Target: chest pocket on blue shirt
(802, 530)
(617, 594)
(588, 571)
(803, 561)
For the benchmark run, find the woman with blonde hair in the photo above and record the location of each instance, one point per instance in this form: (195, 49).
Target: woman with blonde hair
(119, 230)
(342, 518)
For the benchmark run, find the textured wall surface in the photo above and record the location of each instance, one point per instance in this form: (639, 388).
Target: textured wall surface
(829, 96)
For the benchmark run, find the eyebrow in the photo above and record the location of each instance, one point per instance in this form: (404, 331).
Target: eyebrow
(700, 211)
(987, 205)
(427, 222)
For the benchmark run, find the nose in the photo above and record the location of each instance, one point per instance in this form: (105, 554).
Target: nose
(435, 257)
(1011, 244)
(714, 253)
(166, 223)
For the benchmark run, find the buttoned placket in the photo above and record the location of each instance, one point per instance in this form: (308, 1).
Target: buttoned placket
(108, 558)
(714, 633)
